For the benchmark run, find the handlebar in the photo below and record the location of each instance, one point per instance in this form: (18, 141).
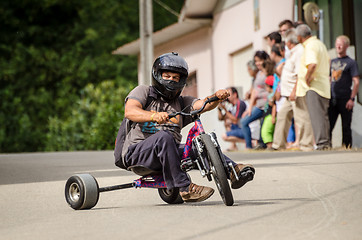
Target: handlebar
(194, 112)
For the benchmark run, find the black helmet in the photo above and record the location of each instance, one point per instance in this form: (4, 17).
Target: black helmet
(171, 62)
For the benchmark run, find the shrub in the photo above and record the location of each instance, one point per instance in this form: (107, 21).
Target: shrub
(94, 121)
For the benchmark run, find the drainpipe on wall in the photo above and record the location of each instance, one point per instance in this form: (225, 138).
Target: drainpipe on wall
(321, 25)
(146, 48)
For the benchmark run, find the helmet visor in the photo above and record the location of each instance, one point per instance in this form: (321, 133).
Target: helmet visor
(173, 85)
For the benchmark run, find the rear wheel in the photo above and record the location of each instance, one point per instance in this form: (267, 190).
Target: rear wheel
(218, 171)
(170, 196)
(81, 191)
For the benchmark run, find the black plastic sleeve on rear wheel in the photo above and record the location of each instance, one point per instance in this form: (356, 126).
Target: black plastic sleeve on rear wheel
(170, 196)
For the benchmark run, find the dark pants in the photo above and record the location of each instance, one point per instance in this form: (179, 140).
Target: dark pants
(336, 107)
(160, 152)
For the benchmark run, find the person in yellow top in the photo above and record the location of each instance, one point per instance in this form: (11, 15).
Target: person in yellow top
(313, 83)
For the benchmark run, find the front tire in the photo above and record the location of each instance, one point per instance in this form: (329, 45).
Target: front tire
(82, 191)
(218, 171)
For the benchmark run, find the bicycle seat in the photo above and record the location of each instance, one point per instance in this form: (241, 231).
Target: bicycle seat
(143, 171)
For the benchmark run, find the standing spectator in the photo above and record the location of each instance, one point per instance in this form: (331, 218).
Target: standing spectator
(288, 88)
(344, 72)
(313, 82)
(284, 26)
(273, 38)
(233, 116)
(257, 100)
(277, 57)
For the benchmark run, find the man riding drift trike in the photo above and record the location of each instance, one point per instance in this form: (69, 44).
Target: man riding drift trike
(153, 140)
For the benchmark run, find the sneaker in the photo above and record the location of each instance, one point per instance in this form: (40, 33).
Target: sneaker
(259, 147)
(196, 193)
(323, 148)
(245, 174)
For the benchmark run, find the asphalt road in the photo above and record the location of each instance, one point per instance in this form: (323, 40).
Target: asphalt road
(295, 195)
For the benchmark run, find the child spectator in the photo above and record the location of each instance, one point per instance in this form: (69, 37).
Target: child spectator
(267, 129)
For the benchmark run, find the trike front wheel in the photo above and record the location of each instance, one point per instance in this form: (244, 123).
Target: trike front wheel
(218, 171)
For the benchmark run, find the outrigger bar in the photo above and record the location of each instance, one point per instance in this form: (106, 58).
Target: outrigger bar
(116, 187)
(151, 181)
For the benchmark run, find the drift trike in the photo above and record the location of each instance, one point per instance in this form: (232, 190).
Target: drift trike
(82, 190)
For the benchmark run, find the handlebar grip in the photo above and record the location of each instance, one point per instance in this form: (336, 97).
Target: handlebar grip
(171, 115)
(213, 99)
